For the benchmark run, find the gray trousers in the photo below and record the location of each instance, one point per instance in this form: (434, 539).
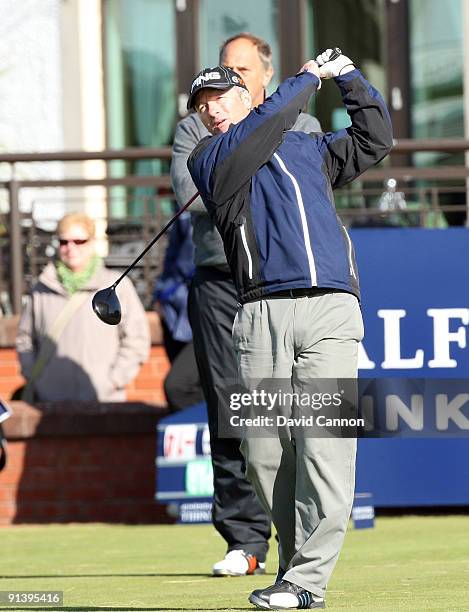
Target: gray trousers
(306, 484)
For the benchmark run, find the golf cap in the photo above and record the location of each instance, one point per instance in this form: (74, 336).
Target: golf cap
(219, 77)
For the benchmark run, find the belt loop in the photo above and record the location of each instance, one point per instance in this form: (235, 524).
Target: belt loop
(290, 291)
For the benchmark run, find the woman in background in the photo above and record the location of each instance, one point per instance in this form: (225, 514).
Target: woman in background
(65, 351)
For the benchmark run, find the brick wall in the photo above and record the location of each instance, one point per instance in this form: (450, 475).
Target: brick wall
(10, 377)
(82, 461)
(148, 386)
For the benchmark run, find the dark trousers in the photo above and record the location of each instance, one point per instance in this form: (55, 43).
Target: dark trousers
(182, 384)
(237, 513)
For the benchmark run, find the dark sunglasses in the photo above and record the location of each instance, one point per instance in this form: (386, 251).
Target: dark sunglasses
(76, 241)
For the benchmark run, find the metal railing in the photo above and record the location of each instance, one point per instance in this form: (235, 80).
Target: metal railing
(21, 228)
(423, 186)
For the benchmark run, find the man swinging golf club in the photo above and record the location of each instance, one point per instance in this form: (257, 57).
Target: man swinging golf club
(269, 191)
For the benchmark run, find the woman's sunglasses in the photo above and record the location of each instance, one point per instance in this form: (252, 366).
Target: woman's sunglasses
(75, 241)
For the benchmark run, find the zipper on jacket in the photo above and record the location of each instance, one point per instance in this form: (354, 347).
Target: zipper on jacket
(350, 260)
(304, 223)
(246, 248)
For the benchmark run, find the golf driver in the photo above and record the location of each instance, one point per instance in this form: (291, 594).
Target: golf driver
(105, 302)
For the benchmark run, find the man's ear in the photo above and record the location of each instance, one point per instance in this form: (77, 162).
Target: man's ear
(268, 74)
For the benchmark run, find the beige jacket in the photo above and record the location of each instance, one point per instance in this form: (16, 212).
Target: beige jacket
(92, 361)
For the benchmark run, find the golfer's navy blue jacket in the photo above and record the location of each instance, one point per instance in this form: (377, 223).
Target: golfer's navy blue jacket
(270, 190)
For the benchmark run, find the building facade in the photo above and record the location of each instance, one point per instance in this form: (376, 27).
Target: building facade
(90, 74)
(412, 49)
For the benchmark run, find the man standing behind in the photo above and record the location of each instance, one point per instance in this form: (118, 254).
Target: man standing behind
(237, 513)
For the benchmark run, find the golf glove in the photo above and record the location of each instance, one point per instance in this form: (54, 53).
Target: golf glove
(341, 65)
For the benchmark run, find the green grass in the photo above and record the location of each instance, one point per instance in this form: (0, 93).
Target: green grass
(413, 564)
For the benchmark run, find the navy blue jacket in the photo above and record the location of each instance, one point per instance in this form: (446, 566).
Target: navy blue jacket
(269, 190)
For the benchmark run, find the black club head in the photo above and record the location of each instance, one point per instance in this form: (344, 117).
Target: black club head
(107, 306)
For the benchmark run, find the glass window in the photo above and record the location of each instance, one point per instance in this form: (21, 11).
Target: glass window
(357, 27)
(221, 19)
(436, 45)
(437, 111)
(437, 68)
(140, 84)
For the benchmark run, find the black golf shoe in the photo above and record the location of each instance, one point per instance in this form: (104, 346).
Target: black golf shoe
(285, 595)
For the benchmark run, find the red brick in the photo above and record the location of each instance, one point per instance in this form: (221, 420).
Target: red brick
(39, 512)
(146, 383)
(161, 362)
(88, 492)
(153, 397)
(7, 493)
(9, 369)
(7, 510)
(145, 370)
(10, 475)
(15, 461)
(16, 450)
(8, 354)
(9, 385)
(36, 495)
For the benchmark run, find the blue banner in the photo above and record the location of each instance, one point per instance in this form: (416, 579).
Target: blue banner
(415, 300)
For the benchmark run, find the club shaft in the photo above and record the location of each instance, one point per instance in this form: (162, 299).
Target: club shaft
(155, 239)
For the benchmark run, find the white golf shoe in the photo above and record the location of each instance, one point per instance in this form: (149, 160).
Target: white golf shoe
(238, 563)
